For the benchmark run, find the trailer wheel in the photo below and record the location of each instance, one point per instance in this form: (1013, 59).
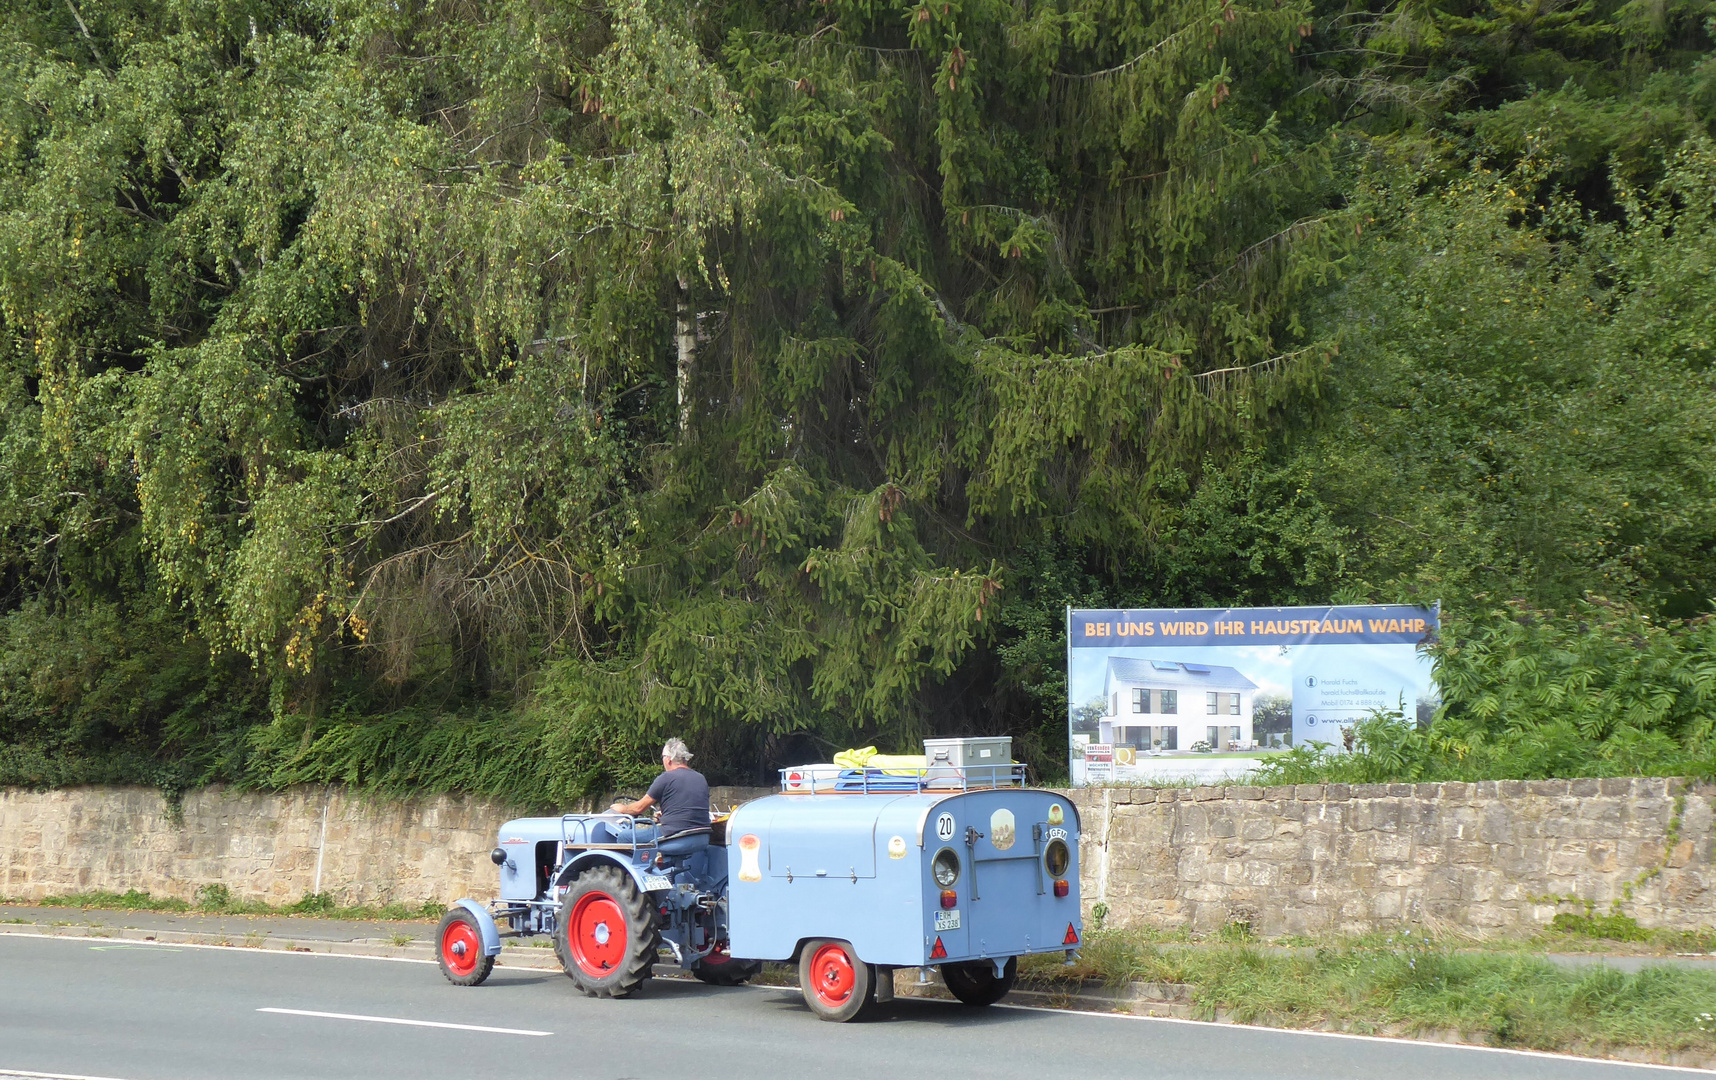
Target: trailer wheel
(459, 944)
(974, 982)
(837, 985)
(720, 969)
(606, 937)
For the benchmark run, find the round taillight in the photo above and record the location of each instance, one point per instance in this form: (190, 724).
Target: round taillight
(945, 868)
(1057, 858)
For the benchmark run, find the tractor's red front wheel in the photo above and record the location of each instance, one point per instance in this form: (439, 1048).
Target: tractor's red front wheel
(459, 946)
(837, 985)
(606, 938)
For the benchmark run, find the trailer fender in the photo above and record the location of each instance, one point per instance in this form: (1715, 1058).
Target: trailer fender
(485, 926)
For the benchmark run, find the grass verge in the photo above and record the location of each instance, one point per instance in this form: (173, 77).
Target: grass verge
(218, 900)
(1413, 984)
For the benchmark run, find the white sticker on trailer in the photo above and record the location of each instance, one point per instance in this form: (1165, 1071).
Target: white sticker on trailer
(944, 826)
(947, 920)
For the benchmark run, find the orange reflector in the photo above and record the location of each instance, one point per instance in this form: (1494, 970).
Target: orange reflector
(1061, 888)
(1070, 939)
(949, 898)
(940, 950)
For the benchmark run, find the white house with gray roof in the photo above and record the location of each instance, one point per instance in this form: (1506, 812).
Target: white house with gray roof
(1171, 704)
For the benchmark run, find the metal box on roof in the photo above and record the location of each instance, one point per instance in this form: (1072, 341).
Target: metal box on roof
(989, 750)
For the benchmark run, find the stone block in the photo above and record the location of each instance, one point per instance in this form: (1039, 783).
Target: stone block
(1584, 788)
(1369, 791)
(1426, 791)
(1400, 791)
(1548, 787)
(1309, 793)
(1389, 848)
(1510, 789)
(1455, 791)
(1247, 794)
(1207, 794)
(1336, 792)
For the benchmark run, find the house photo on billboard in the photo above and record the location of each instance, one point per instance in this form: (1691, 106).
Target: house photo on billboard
(1172, 705)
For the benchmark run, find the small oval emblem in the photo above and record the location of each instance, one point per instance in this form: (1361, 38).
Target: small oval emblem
(897, 848)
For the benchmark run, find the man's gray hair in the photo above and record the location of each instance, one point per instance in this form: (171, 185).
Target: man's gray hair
(676, 751)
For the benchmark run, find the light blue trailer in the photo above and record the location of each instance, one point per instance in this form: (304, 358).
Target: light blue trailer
(861, 868)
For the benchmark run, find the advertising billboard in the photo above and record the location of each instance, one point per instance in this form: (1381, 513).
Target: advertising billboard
(1206, 693)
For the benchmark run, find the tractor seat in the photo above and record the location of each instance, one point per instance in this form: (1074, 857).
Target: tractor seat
(684, 842)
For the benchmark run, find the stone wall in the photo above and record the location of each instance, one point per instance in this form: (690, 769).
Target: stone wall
(274, 846)
(1484, 858)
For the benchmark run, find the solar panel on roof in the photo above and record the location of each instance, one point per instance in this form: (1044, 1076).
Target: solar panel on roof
(1164, 665)
(1196, 669)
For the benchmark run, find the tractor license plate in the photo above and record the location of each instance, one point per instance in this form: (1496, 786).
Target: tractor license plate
(653, 882)
(947, 920)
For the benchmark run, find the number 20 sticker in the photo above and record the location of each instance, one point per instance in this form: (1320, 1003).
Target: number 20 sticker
(944, 826)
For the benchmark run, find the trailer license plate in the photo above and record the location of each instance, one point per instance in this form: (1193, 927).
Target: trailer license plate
(947, 920)
(653, 882)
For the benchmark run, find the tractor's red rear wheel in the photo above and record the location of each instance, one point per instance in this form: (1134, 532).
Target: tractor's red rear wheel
(837, 985)
(606, 937)
(459, 947)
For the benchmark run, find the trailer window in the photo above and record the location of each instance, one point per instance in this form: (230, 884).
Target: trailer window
(1057, 858)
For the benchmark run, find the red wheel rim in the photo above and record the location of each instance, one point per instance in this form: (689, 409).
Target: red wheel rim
(597, 934)
(460, 949)
(832, 977)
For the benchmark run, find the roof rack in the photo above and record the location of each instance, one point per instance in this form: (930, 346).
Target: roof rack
(822, 780)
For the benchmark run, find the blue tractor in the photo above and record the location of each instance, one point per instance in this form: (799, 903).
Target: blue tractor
(851, 876)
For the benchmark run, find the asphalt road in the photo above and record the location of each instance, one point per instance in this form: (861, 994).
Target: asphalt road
(130, 1011)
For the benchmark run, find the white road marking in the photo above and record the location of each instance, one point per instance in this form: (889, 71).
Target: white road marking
(18, 1072)
(132, 948)
(407, 1023)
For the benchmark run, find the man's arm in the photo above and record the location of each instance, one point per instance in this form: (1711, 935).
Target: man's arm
(633, 808)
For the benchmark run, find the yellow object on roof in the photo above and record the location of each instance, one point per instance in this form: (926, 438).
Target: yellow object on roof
(866, 757)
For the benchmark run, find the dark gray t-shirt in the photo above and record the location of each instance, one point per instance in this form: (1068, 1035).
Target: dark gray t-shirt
(683, 796)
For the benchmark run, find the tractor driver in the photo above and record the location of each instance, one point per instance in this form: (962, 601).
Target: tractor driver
(680, 791)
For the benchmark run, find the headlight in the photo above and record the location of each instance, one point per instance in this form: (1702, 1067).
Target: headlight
(1057, 858)
(945, 868)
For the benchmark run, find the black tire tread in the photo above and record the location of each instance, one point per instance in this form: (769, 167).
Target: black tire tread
(731, 973)
(974, 983)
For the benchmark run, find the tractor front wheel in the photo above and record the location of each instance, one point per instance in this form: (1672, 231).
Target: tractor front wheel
(974, 983)
(837, 985)
(459, 944)
(606, 937)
